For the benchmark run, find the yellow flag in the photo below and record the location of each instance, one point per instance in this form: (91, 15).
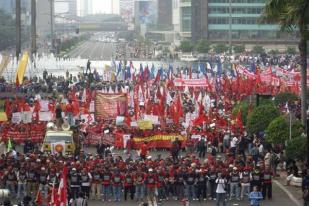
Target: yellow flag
(3, 117)
(4, 63)
(22, 68)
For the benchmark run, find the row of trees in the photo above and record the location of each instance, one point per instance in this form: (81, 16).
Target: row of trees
(203, 46)
(269, 120)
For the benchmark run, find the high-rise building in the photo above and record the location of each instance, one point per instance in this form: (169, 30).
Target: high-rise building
(86, 7)
(199, 21)
(7, 6)
(126, 9)
(237, 21)
(165, 16)
(43, 20)
(115, 6)
(72, 7)
(66, 8)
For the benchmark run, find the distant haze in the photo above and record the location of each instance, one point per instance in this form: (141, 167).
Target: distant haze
(102, 6)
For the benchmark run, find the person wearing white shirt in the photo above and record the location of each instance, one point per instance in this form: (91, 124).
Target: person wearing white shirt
(233, 145)
(221, 192)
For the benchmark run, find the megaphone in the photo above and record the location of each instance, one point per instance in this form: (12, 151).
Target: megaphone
(65, 126)
(50, 126)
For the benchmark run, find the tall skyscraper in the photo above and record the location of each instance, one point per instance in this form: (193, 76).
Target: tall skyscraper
(115, 6)
(86, 8)
(7, 6)
(165, 14)
(199, 21)
(126, 9)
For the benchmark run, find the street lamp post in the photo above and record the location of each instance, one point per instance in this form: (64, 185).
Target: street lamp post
(230, 27)
(307, 133)
(52, 23)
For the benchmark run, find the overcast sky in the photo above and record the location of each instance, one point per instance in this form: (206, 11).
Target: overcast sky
(103, 6)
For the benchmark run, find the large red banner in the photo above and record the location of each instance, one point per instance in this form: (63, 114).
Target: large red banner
(109, 106)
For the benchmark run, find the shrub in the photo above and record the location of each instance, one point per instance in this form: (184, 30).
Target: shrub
(284, 97)
(297, 148)
(260, 118)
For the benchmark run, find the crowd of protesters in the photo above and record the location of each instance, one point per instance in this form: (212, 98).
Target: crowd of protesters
(218, 166)
(182, 175)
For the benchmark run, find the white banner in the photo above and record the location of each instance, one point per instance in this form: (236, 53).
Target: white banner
(45, 116)
(153, 118)
(125, 137)
(16, 117)
(27, 117)
(44, 105)
(88, 118)
(91, 107)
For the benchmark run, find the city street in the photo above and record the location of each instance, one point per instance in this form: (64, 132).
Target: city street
(93, 50)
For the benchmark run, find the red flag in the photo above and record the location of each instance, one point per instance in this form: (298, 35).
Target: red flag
(179, 106)
(239, 123)
(39, 200)
(62, 190)
(54, 197)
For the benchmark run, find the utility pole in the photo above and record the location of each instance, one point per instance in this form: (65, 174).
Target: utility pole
(230, 27)
(33, 27)
(18, 29)
(52, 23)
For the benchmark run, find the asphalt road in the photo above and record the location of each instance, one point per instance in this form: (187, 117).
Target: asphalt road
(279, 199)
(93, 50)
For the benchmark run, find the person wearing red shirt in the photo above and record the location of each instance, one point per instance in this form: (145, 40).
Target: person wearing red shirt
(128, 185)
(144, 151)
(161, 184)
(117, 185)
(69, 112)
(151, 181)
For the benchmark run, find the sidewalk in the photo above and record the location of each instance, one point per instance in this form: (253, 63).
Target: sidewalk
(294, 193)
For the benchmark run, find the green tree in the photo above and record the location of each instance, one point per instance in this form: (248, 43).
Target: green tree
(277, 131)
(258, 50)
(239, 49)
(186, 46)
(202, 46)
(293, 16)
(274, 52)
(291, 50)
(260, 117)
(297, 148)
(220, 48)
(285, 97)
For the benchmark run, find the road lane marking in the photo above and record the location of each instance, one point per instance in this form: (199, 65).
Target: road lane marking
(297, 203)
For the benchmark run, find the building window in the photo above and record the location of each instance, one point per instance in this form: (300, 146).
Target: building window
(186, 19)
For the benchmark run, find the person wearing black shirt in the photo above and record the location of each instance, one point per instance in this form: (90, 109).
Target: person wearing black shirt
(212, 183)
(202, 179)
(58, 112)
(190, 182)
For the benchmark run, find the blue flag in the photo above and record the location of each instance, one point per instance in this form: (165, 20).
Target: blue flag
(252, 67)
(119, 68)
(152, 72)
(202, 68)
(219, 67)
